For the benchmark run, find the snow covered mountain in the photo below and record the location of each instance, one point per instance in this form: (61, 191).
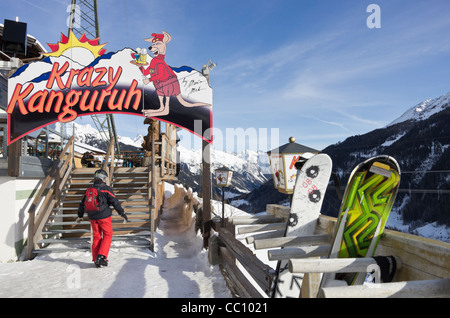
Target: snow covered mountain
(420, 141)
(89, 135)
(250, 164)
(250, 168)
(425, 109)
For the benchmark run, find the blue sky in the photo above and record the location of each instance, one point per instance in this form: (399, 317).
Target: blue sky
(312, 69)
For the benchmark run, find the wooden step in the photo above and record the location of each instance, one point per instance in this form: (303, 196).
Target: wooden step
(130, 215)
(83, 243)
(131, 170)
(141, 200)
(120, 195)
(126, 227)
(130, 219)
(86, 248)
(131, 187)
(126, 207)
(130, 181)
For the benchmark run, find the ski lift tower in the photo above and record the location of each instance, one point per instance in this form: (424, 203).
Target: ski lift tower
(84, 19)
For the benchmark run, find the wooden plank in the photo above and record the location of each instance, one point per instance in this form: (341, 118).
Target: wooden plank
(423, 258)
(332, 265)
(293, 241)
(243, 286)
(265, 235)
(249, 220)
(31, 244)
(41, 217)
(41, 190)
(261, 228)
(277, 210)
(325, 225)
(407, 289)
(298, 252)
(260, 272)
(14, 157)
(310, 285)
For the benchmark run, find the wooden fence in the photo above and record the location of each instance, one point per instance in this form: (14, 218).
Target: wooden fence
(54, 182)
(423, 265)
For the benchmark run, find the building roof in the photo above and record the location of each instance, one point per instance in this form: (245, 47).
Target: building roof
(292, 147)
(34, 47)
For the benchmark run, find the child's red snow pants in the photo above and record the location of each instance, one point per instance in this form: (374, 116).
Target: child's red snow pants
(102, 236)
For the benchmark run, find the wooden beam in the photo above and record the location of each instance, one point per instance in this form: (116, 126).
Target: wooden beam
(33, 225)
(277, 210)
(14, 157)
(250, 220)
(298, 252)
(293, 241)
(336, 265)
(239, 281)
(260, 272)
(422, 258)
(265, 235)
(407, 289)
(261, 228)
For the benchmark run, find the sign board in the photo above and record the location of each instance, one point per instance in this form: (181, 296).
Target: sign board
(277, 167)
(223, 178)
(283, 169)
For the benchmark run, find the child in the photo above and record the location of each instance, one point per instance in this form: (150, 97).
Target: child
(101, 219)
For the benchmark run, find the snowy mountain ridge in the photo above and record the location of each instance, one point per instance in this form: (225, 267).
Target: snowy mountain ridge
(251, 168)
(86, 134)
(419, 141)
(248, 160)
(424, 110)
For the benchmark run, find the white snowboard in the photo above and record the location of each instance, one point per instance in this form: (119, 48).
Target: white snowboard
(309, 192)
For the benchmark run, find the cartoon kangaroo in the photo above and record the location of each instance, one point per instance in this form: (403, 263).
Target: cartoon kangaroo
(162, 76)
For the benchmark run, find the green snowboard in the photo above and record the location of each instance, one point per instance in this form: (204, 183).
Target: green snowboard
(365, 208)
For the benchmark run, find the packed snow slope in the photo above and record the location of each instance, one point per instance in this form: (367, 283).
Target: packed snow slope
(179, 268)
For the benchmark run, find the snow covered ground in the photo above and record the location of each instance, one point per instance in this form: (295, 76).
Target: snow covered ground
(179, 268)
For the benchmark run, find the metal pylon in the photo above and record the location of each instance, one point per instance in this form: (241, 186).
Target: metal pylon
(84, 19)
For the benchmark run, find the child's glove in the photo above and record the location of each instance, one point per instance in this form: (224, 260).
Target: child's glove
(79, 220)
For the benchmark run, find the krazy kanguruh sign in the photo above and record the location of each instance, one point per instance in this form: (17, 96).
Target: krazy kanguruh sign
(79, 78)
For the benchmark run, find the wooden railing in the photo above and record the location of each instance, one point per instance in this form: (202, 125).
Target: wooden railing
(422, 265)
(57, 179)
(232, 250)
(108, 164)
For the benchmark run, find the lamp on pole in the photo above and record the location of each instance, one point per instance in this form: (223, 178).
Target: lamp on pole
(223, 179)
(282, 164)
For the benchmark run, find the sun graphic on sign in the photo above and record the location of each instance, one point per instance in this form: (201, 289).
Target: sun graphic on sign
(77, 49)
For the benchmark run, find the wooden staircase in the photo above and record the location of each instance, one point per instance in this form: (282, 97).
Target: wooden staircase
(130, 185)
(52, 214)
